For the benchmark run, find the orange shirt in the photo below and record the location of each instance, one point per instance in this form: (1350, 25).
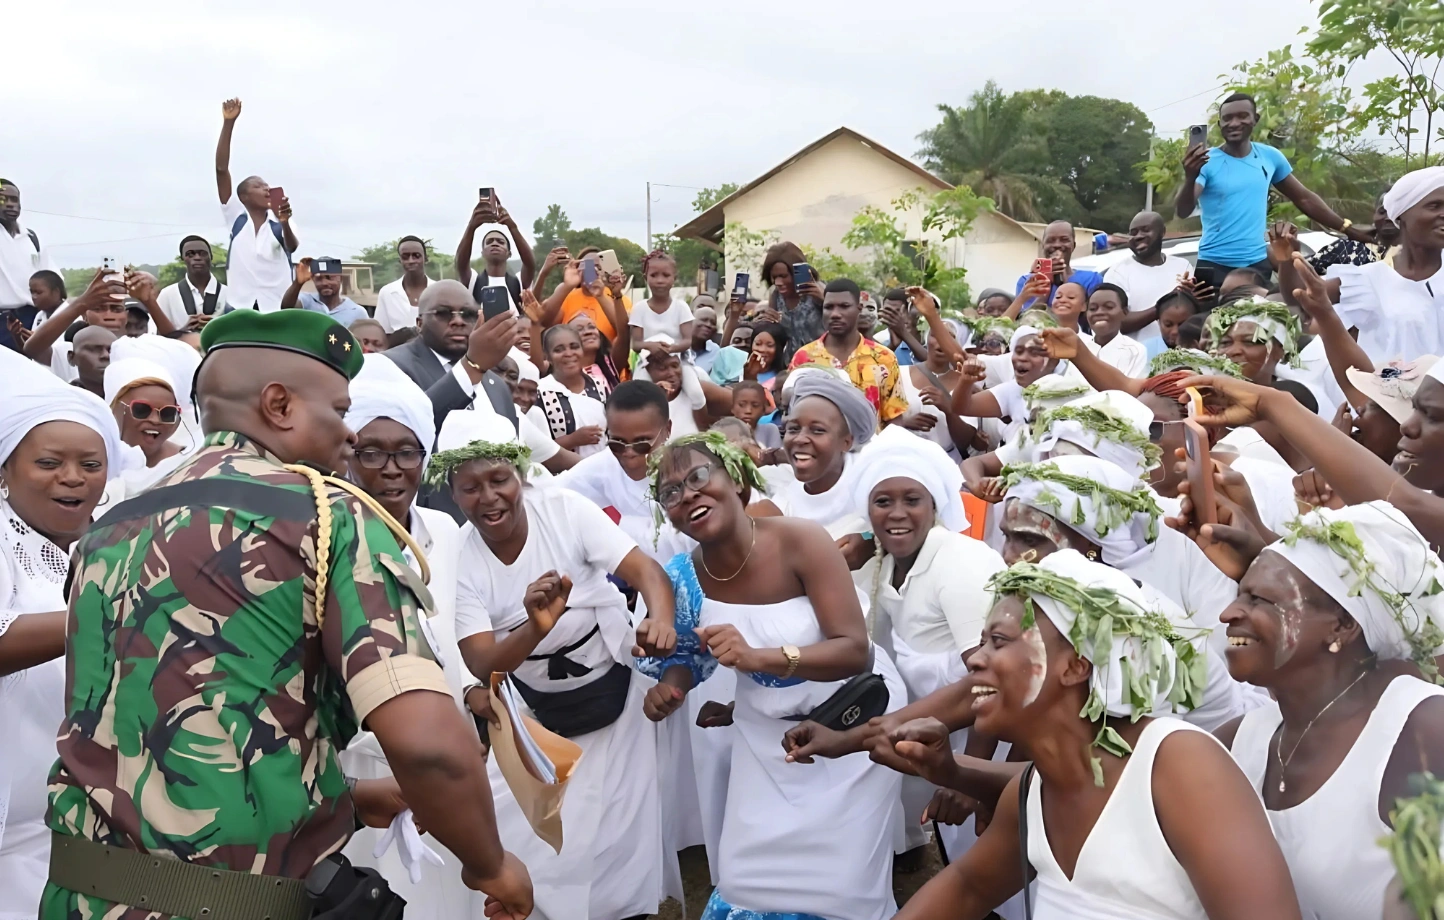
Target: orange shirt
(579, 301)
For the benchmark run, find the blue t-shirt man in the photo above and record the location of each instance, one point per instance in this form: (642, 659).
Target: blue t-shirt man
(1234, 203)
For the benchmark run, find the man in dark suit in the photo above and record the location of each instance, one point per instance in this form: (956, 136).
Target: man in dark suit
(453, 358)
(454, 355)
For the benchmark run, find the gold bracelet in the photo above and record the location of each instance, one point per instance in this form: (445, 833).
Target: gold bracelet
(473, 365)
(1344, 227)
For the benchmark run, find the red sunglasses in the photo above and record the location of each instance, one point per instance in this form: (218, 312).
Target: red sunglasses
(140, 411)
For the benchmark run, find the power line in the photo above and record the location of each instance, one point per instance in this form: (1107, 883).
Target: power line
(1211, 89)
(128, 239)
(109, 220)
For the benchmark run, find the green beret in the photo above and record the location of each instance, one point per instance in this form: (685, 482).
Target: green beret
(303, 332)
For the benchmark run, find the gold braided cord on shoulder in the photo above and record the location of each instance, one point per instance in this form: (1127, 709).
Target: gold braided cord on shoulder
(324, 521)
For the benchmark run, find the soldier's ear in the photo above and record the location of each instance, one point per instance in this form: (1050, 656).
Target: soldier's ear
(277, 406)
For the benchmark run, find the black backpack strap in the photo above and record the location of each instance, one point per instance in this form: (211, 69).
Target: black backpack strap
(513, 285)
(34, 239)
(210, 298)
(183, 287)
(1024, 782)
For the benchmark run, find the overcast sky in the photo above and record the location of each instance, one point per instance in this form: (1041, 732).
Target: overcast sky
(382, 119)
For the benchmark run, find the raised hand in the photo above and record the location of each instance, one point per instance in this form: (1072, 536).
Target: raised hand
(546, 600)
(303, 270)
(1193, 162)
(1230, 403)
(141, 285)
(1283, 242)
(231, 109)
(1062, 344)
(1313, 296)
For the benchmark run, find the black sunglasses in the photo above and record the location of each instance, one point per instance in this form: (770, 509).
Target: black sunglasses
(140, 411)
(639, 446)
(447, 316)
(407, 459)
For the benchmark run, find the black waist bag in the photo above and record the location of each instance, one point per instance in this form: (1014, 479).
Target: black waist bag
(862, 698)
(584, 709)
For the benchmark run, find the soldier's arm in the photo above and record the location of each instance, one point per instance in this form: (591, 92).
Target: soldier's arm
(371, 636)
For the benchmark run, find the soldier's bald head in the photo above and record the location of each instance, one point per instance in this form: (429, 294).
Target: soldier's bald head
(291, 404)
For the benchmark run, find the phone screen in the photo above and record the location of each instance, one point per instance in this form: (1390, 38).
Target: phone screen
(1197, 135)
(589, 271)
(485, 193)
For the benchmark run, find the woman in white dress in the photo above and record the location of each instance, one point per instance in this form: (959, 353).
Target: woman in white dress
(1337, 621)
(394, 429)
(770, 599)
(57, 443)
(1121, 813)
(569, 403)
(533, 600)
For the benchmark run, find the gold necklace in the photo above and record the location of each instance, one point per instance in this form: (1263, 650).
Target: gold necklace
(703, 557)
(1279, 750)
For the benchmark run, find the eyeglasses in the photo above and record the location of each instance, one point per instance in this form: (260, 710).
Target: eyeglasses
(639, 446)
(408, 459)
(447, 316)
(140, 411)
(695, 480)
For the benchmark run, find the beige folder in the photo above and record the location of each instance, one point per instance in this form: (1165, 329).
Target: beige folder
(540, 801)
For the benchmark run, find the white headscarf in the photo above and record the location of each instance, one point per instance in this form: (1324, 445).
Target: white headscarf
(1052, 391)
(1437, 371)
(1019, 334)
(179, 360)
(1117, 405)
(1412, 189)
(382, 390)
(897, 452)
(462, 428)
(121, 374)
(1118, 531)
(1395, 560)
(1108, 670)
(34, 396)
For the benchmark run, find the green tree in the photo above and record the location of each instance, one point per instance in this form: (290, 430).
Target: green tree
(990, 146)
(709, 196)
(897, 261)
(1403, 106)
(552, 226)
(1092, 146)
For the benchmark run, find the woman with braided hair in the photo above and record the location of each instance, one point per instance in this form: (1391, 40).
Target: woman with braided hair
(661, 323)
(1120, 814)
(770, 598)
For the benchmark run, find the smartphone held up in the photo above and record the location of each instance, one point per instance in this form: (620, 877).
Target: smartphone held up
(1199, 461)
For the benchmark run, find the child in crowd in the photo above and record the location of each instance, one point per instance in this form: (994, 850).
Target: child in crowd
(1190, 332)
(1174, 309)
(749, 404)
(662, 314)
(1069, 304)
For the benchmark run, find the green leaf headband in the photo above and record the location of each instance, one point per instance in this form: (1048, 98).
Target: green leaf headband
(1272, 320)
(1036, 392)
(1112, 507)
(1102, 422)
(1102, 614)
(1038, 319)
(982, 325)
(1414, 846)
(1192, 359)
(444, 463)
(1340, 538)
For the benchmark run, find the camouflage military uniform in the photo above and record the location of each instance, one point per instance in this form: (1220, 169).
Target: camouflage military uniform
(204, 706)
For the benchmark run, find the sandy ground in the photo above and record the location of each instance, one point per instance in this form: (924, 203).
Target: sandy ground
(698, 885)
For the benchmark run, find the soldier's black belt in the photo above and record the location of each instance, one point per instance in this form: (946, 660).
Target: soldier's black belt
(170, 886)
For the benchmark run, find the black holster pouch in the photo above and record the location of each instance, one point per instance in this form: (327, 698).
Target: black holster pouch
(341, 891)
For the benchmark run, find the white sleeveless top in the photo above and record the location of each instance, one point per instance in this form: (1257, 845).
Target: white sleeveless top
(1331, 839)
(1125, 870)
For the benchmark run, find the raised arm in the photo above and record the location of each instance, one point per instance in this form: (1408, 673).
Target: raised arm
(1316, 209)
(484, 212)
(980, 404)
(571, 280)
(1186, 202)
(927, 306)
(1065, 345)
(97, 293)
(293, 293)
(230, 111)
(523, 248)
(1037, 286)
(1341, 349)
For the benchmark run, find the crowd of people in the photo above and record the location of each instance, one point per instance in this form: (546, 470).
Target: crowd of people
(1121, 589)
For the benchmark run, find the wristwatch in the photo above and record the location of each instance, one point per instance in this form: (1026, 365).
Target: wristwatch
(1344, 227)
(794, 657)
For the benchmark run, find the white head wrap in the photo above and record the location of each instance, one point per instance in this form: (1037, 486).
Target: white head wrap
(120, 374)
(1393, 386)
(1053, 391)
(1374, 560)
(897, 452)
(464, 427)
(1109, 674)
(179, 360)
(1437, 371)
(34, 396)
(1119, 531)
(1412, 189)
(382, 390)
(1019, 334)
(1114, 404)
(527, 370)
(857, 412)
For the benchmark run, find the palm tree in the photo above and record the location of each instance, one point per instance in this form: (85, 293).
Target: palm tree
(987, 146)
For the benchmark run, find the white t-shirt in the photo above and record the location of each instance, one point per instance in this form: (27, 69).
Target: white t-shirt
(601, 480)
(586, 411)
(566, 533)
(1145, 284)
(1128, 355)
(19, 259)
(394, 309)
(654, 324)
(258, 271)
(174, 306)
(1396, 317)
(679, 410)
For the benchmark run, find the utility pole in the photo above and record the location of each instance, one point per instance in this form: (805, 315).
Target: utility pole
(649, 216)
(1148, 200)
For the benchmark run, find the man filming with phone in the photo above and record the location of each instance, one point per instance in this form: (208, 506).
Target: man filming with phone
(1229, 187)
(495, 251)
(259, 266)
(1059, 242)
